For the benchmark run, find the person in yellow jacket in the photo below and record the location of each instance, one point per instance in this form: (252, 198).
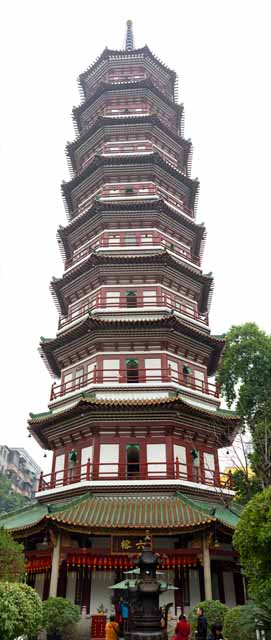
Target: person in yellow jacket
(111, 629)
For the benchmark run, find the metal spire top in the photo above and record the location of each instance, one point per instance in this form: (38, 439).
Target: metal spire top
(129, 40)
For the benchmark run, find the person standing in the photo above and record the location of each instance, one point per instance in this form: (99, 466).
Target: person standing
(124, 614)
(111, 629)
(182, 629)
(202, 625)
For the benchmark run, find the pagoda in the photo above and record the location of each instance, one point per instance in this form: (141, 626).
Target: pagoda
(134, 419)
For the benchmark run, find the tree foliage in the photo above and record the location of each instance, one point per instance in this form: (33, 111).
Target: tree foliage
(236, 624)
(245, 380)
(245, 372)
(12, 562)
(9, 499)
(20, 611)
(252, 539)
(58, 614)
(245, 485)
(214, 611)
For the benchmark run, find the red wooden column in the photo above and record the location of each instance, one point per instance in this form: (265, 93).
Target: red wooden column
(96, 457)
(169, 457)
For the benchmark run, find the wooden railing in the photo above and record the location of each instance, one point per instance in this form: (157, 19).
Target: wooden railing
(134, 471)
(129, 243)
(124, 303)
(133, 376)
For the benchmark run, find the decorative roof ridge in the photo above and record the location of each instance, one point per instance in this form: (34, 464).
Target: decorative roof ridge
(85, 400)
(56, 507)
(159, 205)
(170, 321)
(23, 509)
(136, 84)
(103, 121)
(219, 510)
(93, 259)
(227, 412)
(106, 53)
(190, 502)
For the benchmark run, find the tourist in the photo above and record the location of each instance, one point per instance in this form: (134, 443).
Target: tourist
(202, 625)
(182, 629)
(124, 614)
(111, 629)
(118, 613)
(162, 617)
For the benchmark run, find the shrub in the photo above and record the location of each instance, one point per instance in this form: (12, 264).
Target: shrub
(58, 614)
(12, 561)
(214, 611)
(20, 611)
(234, 625)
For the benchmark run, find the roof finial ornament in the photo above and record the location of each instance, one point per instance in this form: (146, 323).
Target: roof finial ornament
(129, 40)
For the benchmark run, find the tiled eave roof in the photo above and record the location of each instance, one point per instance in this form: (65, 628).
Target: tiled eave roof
(162, 258)
(156, 207)
(153, 159)
(88, 402)
(174, 512)
(115, 53)
(128, 86)
(103, 513)
(49, 346)
(104, 122)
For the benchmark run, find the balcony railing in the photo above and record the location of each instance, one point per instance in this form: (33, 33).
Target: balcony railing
(109, 194)
(124, 303)
(134, 376)
(104, 471)
(139, 147)
(129, 243)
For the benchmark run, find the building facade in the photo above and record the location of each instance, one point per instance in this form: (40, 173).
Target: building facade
(21, 469)
(134, 419)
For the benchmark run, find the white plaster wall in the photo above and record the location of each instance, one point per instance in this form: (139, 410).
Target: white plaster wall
(39, 583)
(59, 466)
(71, 583)
(108, 453)
(229, 588)
(156, 453)
(194, 587)
(100, 593)
(167, 596)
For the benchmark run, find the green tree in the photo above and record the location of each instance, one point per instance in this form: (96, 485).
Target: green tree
(9, 499)
(20, 611)
(12, 562)
(252, 539)
(245, 379)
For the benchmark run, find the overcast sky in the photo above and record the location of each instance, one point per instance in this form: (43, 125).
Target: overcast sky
(221, 52)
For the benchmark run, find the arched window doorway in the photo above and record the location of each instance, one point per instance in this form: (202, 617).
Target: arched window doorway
(131, 299)
(132, 370)
(132, 460)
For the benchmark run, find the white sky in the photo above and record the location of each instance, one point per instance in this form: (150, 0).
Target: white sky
(221, 52)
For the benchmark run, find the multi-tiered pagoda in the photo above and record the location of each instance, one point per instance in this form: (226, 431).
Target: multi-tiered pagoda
(134, 421)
